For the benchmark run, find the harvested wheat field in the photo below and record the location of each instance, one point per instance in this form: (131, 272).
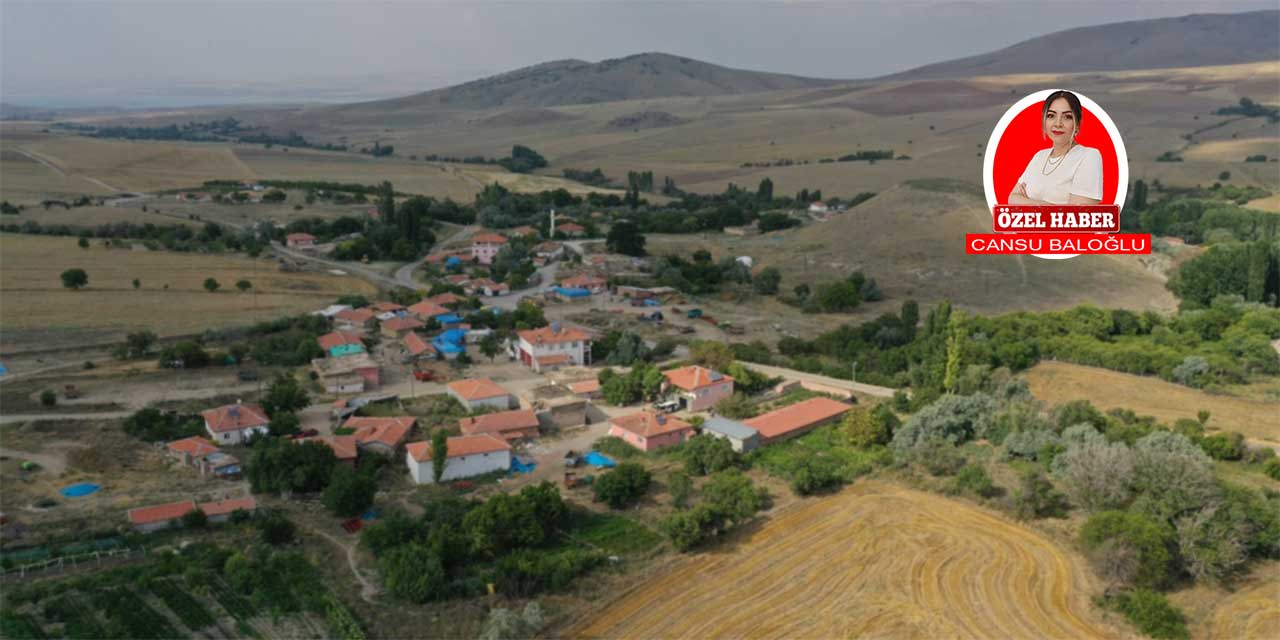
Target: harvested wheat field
(876, 560)
(1059, 382)
(1250, 611)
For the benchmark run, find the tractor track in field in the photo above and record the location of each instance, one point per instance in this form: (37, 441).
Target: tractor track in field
(875, 560)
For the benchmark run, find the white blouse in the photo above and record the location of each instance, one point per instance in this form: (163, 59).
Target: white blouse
(1054, 181)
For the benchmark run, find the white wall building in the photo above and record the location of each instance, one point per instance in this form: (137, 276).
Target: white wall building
(553, 346)
(468, 456)
(235, 423)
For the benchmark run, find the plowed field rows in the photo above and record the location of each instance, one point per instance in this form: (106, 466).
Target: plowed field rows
(876, 560)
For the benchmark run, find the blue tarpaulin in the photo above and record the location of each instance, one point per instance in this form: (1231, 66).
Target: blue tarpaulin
(569, 292)
(650, 302)
(597, 459)
(345, 350)
(522, 467)
(448, 318)
(451, 341)
(453, 261)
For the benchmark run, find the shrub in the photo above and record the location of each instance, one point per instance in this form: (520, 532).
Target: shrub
(938, 457)
(952, 418)
(1224, 446)
(414, 573)
(1036, 497)
(679, 485)
(1029, 444)
(974, 479)
(864, 428)
(1095, 473)
(623, 486)
(1211, 542)
(48, 398)
(1152, 542)
(1272, 468)
(733, 496)
(349, 493)
(276, 529)
(704, 454)
(528, 572)
(195, 519)
(688, 529)
(1152, 614)
(815, 475)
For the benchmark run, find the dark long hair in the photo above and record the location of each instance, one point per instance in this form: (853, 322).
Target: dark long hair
(1072, 101)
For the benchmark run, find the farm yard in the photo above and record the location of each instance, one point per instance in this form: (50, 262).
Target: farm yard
(875, 560)
(39, 312)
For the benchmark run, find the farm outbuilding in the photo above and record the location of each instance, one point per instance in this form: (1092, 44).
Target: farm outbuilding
(744, 439)
(467, 456)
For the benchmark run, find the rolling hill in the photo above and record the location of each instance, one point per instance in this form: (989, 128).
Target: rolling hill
(1186, 41)
(564, 82)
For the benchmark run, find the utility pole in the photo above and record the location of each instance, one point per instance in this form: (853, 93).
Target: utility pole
(853, 375)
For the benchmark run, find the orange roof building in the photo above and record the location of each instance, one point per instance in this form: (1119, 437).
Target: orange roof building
(356, 317)
(222, 510)
(553, 346)
(475, 393)
(397, 327)
(467, 456)
(417, 346)
(160, 516)
(427, 309)
(344, 447)
(235, 423)
(698, 388)
(191, 449)
(338, 339)
(796, 419)
(380, 435)
(509, 425)
(649, 430)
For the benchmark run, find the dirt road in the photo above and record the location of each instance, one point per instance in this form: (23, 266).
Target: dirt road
(792, 374)
(876, 560)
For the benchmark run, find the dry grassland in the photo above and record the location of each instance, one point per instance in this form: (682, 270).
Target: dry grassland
(1058, 382)
(121, 165)
(876, 560)
(911, 240)
(1249, 610)
(38, 311)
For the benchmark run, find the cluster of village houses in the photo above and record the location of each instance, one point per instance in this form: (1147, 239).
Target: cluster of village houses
(486, 441)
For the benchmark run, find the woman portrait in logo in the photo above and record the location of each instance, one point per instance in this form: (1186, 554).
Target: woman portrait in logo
(1065, 173)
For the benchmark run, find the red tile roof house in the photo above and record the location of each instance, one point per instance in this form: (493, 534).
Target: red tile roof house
(591, 283)
(163, 516)
(649, 431)
(356, 319)
(417, 347)
(480, 393)
(347, 374)
(427, 310)
(383, 436)
(384, 307)
(487, 287)
(221, 511)
(588, 389)
(191, 450)
(508, 425)
(797, 419)
(399, 327)
(235, 423)
(300, 240)
(572, 229)
(549, 250)
(467, 456)
(553, 346)
(521, 232)
(698, 388)
(338, 339)
(344, 447)
(485, 246)
(446, 299)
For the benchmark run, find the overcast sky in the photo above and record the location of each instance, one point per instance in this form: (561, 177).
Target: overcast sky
(140, 53)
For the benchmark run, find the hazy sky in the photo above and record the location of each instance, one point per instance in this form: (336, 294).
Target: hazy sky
(145, 53)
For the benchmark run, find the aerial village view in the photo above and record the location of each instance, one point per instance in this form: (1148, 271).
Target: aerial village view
(647, 347)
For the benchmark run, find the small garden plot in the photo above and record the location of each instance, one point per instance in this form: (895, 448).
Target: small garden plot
(190, 612)
(822, 449)
(129, 616)
(613, 534)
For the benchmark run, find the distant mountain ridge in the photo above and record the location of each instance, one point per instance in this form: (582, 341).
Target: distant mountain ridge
(565, 82)
(1194, 40)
